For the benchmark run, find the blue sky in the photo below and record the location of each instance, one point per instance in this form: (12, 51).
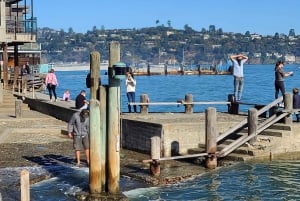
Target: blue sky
(265, 17)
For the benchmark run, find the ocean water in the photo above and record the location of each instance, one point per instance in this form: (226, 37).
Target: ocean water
(258, 87)
(274, 180)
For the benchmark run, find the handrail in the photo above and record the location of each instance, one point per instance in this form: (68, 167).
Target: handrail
(269, 106)
(184, 103)
(245, 121)
(228, 149)
(178, 157)
(232, 129)
(267, 123)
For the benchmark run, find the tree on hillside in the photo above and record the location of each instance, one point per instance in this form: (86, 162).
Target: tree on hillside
(169, 23)
(157, 22)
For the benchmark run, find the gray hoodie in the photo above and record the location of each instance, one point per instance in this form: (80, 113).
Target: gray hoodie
(77, 127)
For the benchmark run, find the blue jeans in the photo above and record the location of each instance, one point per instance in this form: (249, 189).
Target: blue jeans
(238, 87)
(131, 99)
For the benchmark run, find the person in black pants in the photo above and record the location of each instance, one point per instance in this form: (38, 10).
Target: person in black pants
(279, 78)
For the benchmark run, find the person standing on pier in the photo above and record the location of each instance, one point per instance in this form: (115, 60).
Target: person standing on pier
(130, 89)
(279, 78)
(78, 129)
(238, 73)
(51, 83)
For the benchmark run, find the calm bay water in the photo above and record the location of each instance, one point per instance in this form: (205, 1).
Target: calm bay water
(276, 180)
(258, 88)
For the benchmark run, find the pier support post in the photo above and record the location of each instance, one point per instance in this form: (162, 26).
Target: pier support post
(155, 156)
(18, 108)
(252, 123)
(25, 185)
(95, 139)
(113, 124)
(188, 104)
(288, 105)
(144, 99)
(233, 107)
(211, 137)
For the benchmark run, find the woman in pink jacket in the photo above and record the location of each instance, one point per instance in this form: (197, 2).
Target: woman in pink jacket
(51, 83)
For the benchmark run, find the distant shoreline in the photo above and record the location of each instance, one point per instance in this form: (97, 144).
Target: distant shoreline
(76, 67)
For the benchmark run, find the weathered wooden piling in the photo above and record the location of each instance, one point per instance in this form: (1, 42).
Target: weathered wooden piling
(95, 135)
(288, 105)
(188, 104)
(144, 99)
(113, 122)
(211, 137)
(18, 108)
(25, 185)
(155, 156)
(252, 123)
(233, 107)
(103, 134)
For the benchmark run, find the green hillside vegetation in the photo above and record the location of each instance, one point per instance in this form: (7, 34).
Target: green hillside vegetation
(163, 44)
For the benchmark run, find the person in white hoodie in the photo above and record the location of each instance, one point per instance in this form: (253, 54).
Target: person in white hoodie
(130, 89)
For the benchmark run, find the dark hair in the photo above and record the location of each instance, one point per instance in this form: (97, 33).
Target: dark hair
(130, 73)
(277, 64)
(295, 90)
(84, 114)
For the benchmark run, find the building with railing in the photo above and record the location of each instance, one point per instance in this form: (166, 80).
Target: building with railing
(18, 26)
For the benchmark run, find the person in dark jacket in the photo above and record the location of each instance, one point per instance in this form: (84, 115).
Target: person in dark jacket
(78, 129)
(296, 102)
(80, 101)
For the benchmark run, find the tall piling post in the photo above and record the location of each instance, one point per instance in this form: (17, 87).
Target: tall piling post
(211, 137)
(188, 103)
(288, 105)
(113, 121)
(144, 99)
(95, 141)
(252, 123)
